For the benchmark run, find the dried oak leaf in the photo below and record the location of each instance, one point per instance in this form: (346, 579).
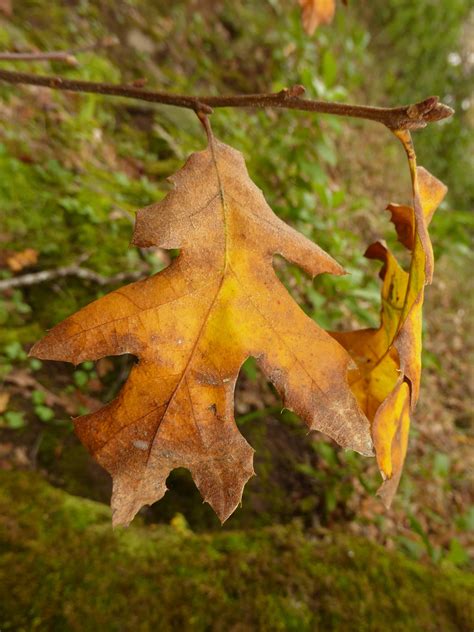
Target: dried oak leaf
(192, 326)
(316, 12)
(386, 381)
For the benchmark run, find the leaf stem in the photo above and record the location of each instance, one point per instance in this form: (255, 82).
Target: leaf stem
(414, 116)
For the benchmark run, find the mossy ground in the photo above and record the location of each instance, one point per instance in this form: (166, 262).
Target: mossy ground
(63, 568)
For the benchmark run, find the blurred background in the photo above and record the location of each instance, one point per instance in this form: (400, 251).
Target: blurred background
(311, 547)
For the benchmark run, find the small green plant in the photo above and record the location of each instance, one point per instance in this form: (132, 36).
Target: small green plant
(13, 419)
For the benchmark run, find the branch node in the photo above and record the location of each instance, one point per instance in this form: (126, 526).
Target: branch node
(418, 110)
(293, 92)
(296, 91)
(201, 108)
(139, 83)
(418, 115)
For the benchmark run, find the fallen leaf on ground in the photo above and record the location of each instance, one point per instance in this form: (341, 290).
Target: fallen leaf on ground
(17, 261)
(103, 367)
(26, 383)
(192, 326)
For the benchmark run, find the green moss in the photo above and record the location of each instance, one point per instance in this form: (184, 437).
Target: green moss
(62, 567)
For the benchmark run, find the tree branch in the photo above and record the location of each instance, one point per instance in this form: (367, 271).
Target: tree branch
(68, 58)
(34, 278)
(411, 117)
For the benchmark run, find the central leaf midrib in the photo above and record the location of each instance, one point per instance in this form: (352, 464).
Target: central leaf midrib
(211, 306)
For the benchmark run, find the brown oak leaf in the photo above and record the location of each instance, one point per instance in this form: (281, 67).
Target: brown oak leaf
(191, 327)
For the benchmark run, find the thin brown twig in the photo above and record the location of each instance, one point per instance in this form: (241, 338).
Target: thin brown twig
(66, 57)
(34, 278)
(105, 42)
(414, 116)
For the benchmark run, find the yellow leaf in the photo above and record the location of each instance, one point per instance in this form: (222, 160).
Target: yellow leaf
(192, 326)
(390, 433)
(386, 380)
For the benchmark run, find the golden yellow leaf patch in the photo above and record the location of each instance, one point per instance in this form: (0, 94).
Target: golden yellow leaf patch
(386, 380)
